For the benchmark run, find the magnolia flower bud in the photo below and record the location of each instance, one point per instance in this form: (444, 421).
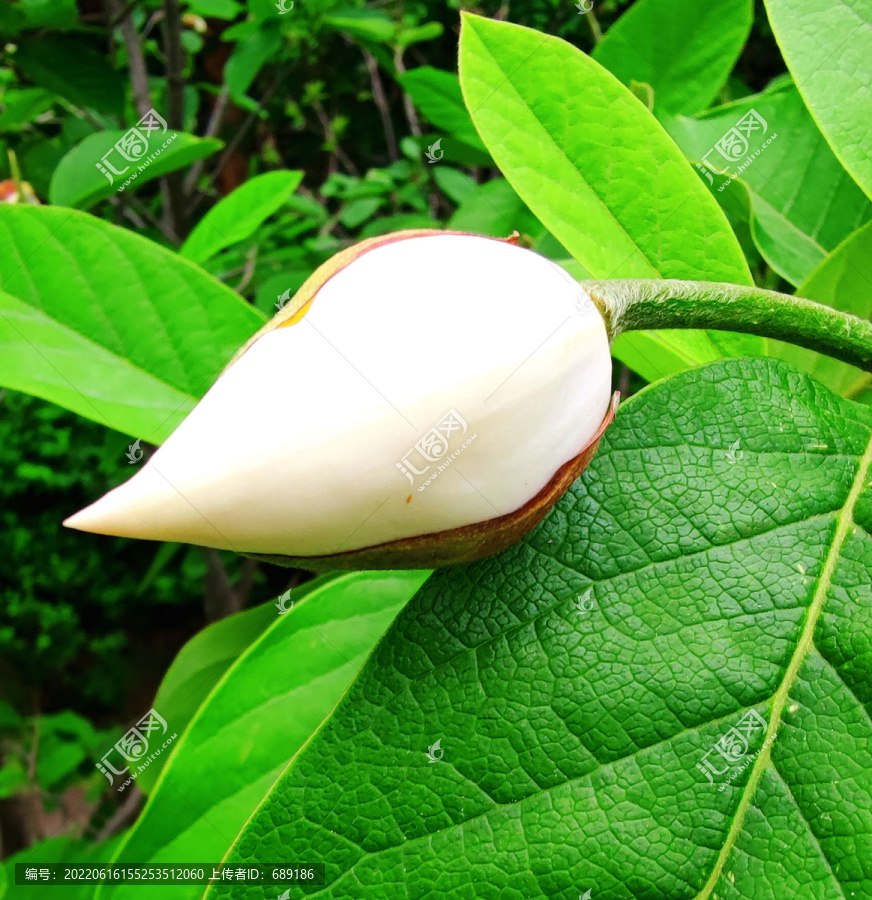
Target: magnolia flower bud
(425, 398)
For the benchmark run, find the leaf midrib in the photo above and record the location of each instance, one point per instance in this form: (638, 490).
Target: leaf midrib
(844, 524)
(562, 152)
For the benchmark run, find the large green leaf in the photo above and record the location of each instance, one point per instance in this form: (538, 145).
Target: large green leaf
(78, 182)
(714, 561)
(803, 202)
(109, 324)
(240, 214)
(601, 175)
(256, 718)
(43, 356)
(844, 281)
(827, 47)
(684, 49)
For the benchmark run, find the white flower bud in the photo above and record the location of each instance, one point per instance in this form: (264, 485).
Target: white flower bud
(425, 398)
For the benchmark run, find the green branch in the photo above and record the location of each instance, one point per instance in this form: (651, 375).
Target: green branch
(645, 305)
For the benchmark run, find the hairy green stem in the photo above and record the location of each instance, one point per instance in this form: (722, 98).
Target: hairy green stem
(637, 305)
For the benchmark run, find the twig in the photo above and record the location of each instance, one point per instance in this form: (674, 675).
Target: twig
(381, 102)
(135, 63)
(142, 210)
(624, 381)
(124, 814)
(332, 140)
(125, 13)
(174, 192)
(212, 126)
(15, 171)
(34, 747)
(595, 31)
(408, 106)
(247, 269)
(230, 149)
(243, 586)
(219, 598)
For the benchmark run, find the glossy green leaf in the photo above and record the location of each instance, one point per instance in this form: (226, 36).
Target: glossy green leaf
(706, 584)
(108, 324)
(637, 211)
(684, 49)
(804, 204)
(73, 70)
(249, 56)
(78, 182)
(366, 24)
(238, 215)
(258, 715)
(844, 281)
(419, 33)
(827, 47)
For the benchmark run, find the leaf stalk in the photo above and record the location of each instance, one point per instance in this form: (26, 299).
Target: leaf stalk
(637, 305)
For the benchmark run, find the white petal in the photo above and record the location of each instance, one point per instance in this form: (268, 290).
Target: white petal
(295, 449)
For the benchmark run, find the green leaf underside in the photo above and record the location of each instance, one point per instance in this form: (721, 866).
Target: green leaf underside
(78, 182)
(684, 49)
(843, 282)
(571, 736)
(638, 211)
(109, 324)
(804, 202)
(240, 214)
(827, 47)
(257, 715)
